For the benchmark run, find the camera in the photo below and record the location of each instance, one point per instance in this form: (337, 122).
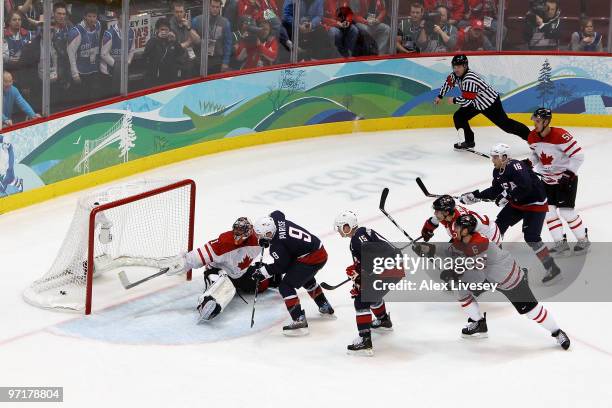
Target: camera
(536, 8)
(249, 30)
(432, 19)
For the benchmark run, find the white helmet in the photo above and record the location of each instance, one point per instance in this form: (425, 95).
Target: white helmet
(500, 149)
(344, 218)
(265, 226)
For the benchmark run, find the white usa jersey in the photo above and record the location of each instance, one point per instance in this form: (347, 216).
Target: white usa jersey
(554, 154)
(223, 253)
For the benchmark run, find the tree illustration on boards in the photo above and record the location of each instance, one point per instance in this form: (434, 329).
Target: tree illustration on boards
(545, 87)
(127, 136)
(290, 82)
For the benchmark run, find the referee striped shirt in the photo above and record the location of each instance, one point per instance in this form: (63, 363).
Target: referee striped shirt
(474, 91)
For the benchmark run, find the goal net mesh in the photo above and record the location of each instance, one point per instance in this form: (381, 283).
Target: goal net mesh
(140, 224)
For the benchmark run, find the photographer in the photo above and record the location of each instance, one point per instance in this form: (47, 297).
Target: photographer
(441, 36)
(411, 35)
(587, 40)
(162, 56)
(257, 49)
(455, 9)
(542, 25)
(343, 33)
(187, 38)
(370, 18)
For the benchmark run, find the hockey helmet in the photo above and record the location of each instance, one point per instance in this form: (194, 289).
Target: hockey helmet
(346, 217)
(467, 221)
(459, 59)
(500, 149)
(265, 228)
(444, 203)
(542, 113)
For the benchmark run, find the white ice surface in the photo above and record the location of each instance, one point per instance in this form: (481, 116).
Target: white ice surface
(142, 349)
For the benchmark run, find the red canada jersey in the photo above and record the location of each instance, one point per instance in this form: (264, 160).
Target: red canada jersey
(477, 245)
(223, 253)
(555, 153)
(485, 226)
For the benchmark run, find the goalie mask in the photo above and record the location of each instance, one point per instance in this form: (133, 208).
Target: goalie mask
(242, 229)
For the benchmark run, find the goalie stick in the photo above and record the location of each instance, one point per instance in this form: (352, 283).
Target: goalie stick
(128, 285)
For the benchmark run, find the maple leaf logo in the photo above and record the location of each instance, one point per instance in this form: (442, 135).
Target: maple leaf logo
(545, 159)
(245, 262)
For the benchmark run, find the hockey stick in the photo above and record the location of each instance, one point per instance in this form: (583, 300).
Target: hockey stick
(327, 286)
(381, 207)
(428, 194)
(263, 248)
(128, 285)
(476, 152)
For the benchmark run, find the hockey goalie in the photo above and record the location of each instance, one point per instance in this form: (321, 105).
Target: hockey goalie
(227, 262)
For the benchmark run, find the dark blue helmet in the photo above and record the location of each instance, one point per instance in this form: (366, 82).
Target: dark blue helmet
(459, 59)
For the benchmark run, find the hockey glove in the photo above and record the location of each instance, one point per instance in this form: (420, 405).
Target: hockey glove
(528, 163)
(352, 272)
(423, 249)
(258, 271)
(502, 199)
(469, 198)
(264, 243)
(567, 177)
(427, 232)
(449, 275)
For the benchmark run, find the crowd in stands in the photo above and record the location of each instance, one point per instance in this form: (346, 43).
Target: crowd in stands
(86, 40)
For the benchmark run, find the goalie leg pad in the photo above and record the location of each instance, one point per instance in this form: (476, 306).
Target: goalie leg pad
(216, 298)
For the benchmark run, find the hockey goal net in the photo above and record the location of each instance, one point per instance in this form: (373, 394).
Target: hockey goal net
(136, 224)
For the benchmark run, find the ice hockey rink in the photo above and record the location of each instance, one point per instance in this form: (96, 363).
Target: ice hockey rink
(142, 348)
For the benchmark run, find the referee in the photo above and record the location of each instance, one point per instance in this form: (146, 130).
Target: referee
(476, 97)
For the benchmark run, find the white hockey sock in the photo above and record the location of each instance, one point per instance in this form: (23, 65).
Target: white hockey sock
(574, 221)
(471, 307)
(540, 315)
(554, 224)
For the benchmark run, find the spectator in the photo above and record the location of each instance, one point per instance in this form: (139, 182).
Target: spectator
(186, 36)
(219, 38)
(314, 40)
(59, 73)
(486, 11)
(263, 51)
(110, 57)
(265, 10)
(84, 55)
(542, 25)
(587, 40)
(455, 9)
(343, 33)
(371, 17)
(411, 36)
(16, 38)
(32, 14)
(12, 97)
(472, 38)
(162, 55)
(441, 35)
